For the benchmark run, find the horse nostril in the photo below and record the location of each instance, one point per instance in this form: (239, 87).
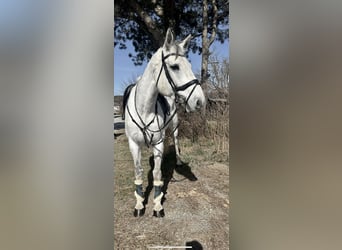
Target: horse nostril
(199, 103)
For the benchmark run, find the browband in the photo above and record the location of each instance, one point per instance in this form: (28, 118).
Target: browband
(171, 54)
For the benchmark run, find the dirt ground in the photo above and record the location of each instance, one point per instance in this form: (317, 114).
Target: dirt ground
(196, 202)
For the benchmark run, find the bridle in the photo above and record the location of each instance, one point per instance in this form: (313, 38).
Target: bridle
(175, 89)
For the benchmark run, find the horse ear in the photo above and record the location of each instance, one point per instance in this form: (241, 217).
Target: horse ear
(169, 39)
(186, 42)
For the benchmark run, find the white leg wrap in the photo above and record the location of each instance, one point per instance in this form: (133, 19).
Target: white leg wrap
(157, 202)
(158, 183)
(138, 182)
(140, 200)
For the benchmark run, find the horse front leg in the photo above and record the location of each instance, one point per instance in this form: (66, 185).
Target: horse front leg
(175, 139)
(139, 208)
(158, 210)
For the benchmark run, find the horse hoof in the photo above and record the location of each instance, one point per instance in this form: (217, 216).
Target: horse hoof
(139, 212)
(159, 214)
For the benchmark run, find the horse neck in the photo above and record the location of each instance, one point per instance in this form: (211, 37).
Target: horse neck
(147, 91)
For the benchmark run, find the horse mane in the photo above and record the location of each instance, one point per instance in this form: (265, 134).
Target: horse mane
(160, 99)
(125, 98)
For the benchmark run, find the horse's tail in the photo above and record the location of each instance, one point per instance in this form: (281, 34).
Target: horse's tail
(125, 98)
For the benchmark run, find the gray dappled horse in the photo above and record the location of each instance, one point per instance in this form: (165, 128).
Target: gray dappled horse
(148, 114)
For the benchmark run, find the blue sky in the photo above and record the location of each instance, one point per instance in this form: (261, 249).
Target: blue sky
(125, 71)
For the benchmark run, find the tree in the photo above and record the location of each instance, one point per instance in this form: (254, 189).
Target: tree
(206, 39)
(218, 80)
(145, 23)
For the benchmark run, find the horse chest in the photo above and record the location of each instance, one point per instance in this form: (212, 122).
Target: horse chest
(151, 134)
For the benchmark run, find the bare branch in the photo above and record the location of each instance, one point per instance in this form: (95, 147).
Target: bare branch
(150, 24)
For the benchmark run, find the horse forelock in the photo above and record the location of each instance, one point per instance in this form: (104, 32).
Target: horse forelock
(174, 49)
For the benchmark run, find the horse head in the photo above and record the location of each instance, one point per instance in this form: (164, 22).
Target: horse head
(174, 75)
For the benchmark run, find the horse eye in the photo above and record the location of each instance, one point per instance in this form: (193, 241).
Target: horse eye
(174, 67)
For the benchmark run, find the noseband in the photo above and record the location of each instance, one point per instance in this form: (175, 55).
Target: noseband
(176, 89)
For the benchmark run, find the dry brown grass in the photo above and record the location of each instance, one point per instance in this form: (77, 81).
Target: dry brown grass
(194, 210)
(212, 124)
